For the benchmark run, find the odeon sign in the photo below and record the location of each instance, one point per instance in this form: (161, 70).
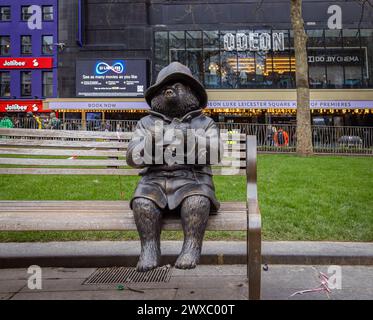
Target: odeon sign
(254, 41)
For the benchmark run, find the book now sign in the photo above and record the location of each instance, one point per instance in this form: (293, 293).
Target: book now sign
(216, 104)
(26, 63)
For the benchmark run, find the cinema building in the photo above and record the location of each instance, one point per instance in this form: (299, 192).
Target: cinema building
(242, 51)
(28, 56)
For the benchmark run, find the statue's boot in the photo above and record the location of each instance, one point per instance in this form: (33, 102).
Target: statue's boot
(195, 211)
(148, 222)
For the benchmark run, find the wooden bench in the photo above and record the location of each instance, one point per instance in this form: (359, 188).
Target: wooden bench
(104, 154)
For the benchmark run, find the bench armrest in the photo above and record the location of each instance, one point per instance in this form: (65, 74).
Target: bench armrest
(254, 257)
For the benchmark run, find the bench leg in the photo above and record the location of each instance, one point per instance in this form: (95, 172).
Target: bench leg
(254, 256)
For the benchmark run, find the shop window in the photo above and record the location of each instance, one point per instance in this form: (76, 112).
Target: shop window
(26, 45)
(194, 53)
(316, 59)
(315, 39)
(160, 51)
(4, 84)
(47, 45)
(5, 45)
(260, 72)
(94, 120)
(229, 65)
(26, 83)
(317, 76)
(229, 70)
(246, 69)
(336, 59)
(366, 36)
(73, 115)
(278, 66)
(25, 15)
(5, 13)
(334, 68)
(177, 46)
(211, 58)
(353, 57)
(47, 84)
(333, 38)
(335, 76)
(287, 78)
(48, 13)
(73, 120)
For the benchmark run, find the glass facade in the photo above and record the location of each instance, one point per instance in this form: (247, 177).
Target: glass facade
(239, 59)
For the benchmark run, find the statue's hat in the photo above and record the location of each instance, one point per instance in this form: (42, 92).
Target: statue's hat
(177, 72)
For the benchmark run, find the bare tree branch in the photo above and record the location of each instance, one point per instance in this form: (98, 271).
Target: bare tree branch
(258, 6)
(362, 12)
(362, 3)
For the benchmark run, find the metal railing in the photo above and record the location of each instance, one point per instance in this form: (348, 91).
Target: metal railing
(325, 139)
(270, 138)
(90, 125)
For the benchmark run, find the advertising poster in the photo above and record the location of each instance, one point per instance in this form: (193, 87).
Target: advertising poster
(110, 78)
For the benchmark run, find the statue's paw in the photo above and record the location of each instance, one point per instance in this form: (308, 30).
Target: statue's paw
(146, 264)
(187, 260)
(149, 259)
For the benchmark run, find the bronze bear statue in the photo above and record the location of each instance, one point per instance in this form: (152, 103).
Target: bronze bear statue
(176, 144)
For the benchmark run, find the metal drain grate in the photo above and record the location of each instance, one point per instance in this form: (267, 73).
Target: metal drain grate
(128, 275)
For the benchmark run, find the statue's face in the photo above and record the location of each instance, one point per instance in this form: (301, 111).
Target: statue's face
(175, 100)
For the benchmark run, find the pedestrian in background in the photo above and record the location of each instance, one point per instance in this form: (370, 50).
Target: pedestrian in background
(6, 122)
(54, 122)
(30, 121)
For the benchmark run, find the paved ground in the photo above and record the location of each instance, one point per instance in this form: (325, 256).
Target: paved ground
(205, 282)
(84, 254)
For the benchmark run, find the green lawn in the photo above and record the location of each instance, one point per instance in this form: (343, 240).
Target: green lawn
(315, 198)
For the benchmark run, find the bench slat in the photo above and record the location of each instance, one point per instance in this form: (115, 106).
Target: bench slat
(91, 162)
(122, 172)
(63, 162)
(87, 144)
(70, 171)
(83, 153)
(66, 134)
(105, 220)
(61, 143)
(81, 134)
(62, 152)
(9, 205)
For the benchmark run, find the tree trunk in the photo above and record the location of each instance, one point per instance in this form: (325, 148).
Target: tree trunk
(304, 133)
